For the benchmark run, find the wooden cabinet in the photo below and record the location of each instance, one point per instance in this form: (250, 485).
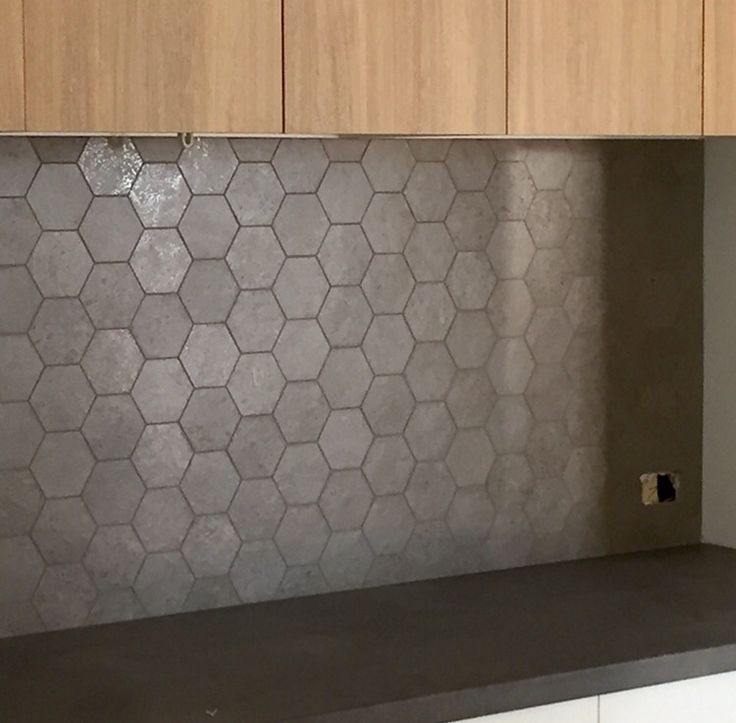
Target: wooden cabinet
(605, 67)
(211, 66)
(12, 114)
(395, 66)
(720, 67)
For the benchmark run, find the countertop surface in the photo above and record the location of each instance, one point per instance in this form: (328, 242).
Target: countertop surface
(431, 651)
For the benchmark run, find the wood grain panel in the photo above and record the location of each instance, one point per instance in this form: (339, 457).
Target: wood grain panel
(12, 116)
(395, 66)
(605, 67)
(720, 67)
(154, 66)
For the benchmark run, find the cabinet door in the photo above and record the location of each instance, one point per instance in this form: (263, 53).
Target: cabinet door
(395, 66)
(584, 710)
(605, 67)
(720, 67)
(711, 699)
(126, 66)
(11, 66)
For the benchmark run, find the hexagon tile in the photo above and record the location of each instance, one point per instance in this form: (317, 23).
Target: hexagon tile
(259, 368)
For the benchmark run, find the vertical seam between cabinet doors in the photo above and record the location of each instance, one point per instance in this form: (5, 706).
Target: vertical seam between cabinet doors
(506, 69)
(702, 71)
(24, 68)
(283, 66)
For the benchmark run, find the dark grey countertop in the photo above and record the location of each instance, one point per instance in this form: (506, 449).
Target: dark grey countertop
(428, 651)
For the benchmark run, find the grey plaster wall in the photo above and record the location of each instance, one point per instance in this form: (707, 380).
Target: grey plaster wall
(259, 369)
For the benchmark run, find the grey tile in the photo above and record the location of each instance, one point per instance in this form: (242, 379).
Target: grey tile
(345, 439)
(61, 331)
(345, 148)
(255, 194)
(345, 500)
(549, 449)
(471, 339)
(345, 192)
(209, 419)
(210, 482)
(345, 378)
(159, 149)
(388, 223)
(257, 571)
(549, 335)
(302, 411)
(160, 195)
(62, 398)
(388, 465)
(160, 261)
(585, 188)
(256, 384)
(510, 307)
(111, 295)
(430, 372)
(301, 350)
(430, 431)
(471, 221)
(548, 507)
(113, 427)
(346, 560)
(586, 473)
(585, 303)
(113, 492)
(111, 229)
(548, 392)
(431, 551)
(19, 231)
(430, 490)
(389, 525)
(470, 457)
(510, 250)
(254, 150)
(471, 280)
(115, 606)
(19, 300)
(430, 252)
(62, 464)
(510, 424)
(210, 355)
(471, 398)
(162, 390)
(59, 196)
(549, 164)
(470, 164)
(388, 344)
(208, 227)
(345, 316)
(300, 164)
(430, 312)
(510, 366)
(549, 219)
(301, 224)
(301, 474)
(162, 519)
(211, 592)
(110, 165)
(585, 416)
(19, 165)
(301, 288)
(256, 447)
(63, 530)
(470, 516)
(302, 535)
(210, 546)
(255, 258)
(161, 325)
(430, 191)
(20, 434)
(58, 149)
(429, 149)
(388, 163)
(388, 405)
(255, 321)
(112, 361)
(162, 455)
(584, 246)
(20, 368)
(20, 502)
(64, 596)
(114, 557)
(345, 254)
(208, 165)
(257, 509)
(60, 263)
(21, 567)
(510, 191)
(511, 481)
(163, 583)
(388, 284)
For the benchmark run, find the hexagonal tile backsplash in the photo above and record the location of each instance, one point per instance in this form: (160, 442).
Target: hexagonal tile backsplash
(258, 369)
